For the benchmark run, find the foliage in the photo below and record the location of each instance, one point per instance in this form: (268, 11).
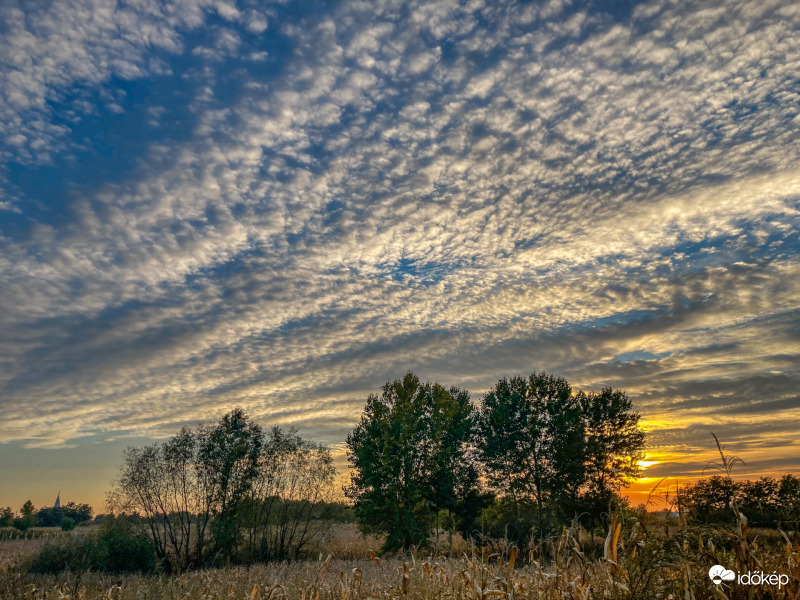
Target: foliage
(27, 518)
(767, 502)
(228, 455)
(124, 549)
(67, 524)
(284, 511)
(409, 459)
(337, 511)
(118, 548)
(531, 445)
(225, 493)
(52, 517)
(639, 560)
(538, 448)
(509, 518)
(613, 446)
(6, 517)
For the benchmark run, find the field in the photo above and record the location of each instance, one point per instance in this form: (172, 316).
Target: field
(16, 546)
(634, 563)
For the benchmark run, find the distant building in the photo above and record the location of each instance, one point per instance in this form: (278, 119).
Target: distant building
(58, 500)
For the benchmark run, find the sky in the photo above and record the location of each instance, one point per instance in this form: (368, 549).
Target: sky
(282, 205)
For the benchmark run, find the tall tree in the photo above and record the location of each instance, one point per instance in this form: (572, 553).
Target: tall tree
(613, 448)
(228, 456)
(531, 442)
(192, 485)
(409, 458)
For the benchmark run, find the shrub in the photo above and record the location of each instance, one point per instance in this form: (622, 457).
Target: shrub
(67, 524)
(125, 550)
(117, 549)
(68, 554)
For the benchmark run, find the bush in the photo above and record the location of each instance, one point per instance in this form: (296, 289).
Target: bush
(67, 524)
(117, 549)
(69, 554)
(506, 519)
(125, 549)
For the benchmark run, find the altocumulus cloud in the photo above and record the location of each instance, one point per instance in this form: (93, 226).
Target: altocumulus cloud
(280, 206)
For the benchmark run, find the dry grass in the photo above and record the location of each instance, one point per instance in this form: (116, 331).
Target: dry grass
(346, 542)
(14, 551)
(636, 564)
(16, 546)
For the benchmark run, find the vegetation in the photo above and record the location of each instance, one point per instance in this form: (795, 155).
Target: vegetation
(612, 448)
(67, 524)
(6, 517)
(499, 500)
(767, 502)
(226, 493)
(409, 459)
(117, 548)
(72, 514)
(26, 518)
(545, 453)
(640, 560)
(53, 517)
(531, 445)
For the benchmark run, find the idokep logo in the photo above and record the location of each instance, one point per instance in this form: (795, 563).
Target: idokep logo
(718, 574)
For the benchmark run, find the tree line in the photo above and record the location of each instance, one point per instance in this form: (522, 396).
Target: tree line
(766, 502)
(532, 455)
(66, 517)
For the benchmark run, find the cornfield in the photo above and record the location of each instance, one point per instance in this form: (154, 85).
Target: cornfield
(639, 561)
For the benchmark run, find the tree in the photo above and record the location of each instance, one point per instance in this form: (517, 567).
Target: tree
(531, 444)
(187, 486)
(766, 502)
(284, 514)
(409, 459)
(789, 501)
(614, 445)
(709, 500)
(49, 517)
(6, 517)
(160, 485)
(52, 517)
(27, 518)
(223, 490)
(229, 458)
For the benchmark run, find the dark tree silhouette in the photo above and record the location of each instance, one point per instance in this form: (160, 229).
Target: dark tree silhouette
(614, 445)
(531, 444)
(409, 458)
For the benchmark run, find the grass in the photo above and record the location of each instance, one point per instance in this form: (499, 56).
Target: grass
(640, 559)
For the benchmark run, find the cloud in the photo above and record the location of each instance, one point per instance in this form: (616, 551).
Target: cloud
(54, 49)
(466, 191)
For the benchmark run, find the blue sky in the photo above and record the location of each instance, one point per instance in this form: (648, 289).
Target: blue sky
(281, 205)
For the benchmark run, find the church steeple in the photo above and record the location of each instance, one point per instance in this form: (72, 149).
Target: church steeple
(58, 500)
